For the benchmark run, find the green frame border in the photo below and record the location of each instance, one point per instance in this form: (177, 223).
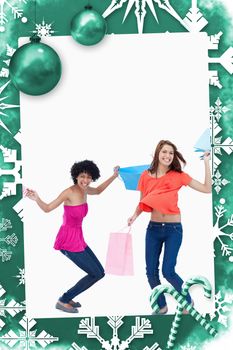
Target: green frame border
(17, 18)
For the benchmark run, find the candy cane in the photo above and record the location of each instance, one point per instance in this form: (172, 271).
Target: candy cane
(179, 310)
(197, 280)
(183, 304)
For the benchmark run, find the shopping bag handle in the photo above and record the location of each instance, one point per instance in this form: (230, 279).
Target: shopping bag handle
(126, 228)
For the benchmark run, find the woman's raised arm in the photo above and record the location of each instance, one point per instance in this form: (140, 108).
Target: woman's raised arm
(206, 186)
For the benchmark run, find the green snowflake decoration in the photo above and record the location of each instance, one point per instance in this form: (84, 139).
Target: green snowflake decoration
(12, 239)
(10, 307)
(8, 7)
(188, 347)
(23, 334)
(193, 21)
(10, 156)
(4, 105)
(26, 338)
(217, 112)
(223, 306)
(141, 328)
(4, 72)
(219, 233)
(20, 276)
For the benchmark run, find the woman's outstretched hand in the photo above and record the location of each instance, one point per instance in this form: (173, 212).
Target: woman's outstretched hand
(31, 194)
(206, 156)
(116, 170)
(131, 220)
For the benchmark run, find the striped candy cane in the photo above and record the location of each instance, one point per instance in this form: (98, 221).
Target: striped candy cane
(197, 280)
(183, 304)
(179, 310)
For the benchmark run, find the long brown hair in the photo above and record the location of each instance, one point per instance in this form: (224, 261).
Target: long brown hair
(176, 164)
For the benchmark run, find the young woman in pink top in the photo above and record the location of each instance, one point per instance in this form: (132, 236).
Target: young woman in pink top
(70, 240)
(159, 186)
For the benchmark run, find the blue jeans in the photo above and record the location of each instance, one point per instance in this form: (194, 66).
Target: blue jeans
(88, 262)
(169, 235)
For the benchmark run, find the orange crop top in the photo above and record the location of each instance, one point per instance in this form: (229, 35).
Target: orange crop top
(161, 193)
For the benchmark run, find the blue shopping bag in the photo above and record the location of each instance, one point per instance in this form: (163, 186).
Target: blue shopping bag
(130, 175)
(203, 143)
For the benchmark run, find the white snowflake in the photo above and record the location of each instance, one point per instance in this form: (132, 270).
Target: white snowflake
(216, 113)
(2, 324)
(5, 225)
(193, 21)
(213, 45)
(11, 307)
(21, 276)
(74, 346)
(10, 239)
(5, 254)
(222, 307)
(9, 5)
(4, 72)
(214, 41)
(27, 338)
(43, 29)
(188, 347)
(4, 105)
(214, 79)
(226, 59)
(18, 208)
(139, 330)
(10, 156)
(218, 181)
(219, 230)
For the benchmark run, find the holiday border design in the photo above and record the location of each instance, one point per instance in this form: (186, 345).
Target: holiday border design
(18, 16)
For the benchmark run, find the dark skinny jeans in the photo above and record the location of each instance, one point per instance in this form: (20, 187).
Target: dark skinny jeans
(169, 235)
(88, 262)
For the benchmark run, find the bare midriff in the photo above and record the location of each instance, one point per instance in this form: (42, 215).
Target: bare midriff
(159, 217)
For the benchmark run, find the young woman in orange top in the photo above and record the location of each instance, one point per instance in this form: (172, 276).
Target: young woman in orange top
(159, 186)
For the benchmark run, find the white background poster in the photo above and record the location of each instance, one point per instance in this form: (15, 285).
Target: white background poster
(113, 107)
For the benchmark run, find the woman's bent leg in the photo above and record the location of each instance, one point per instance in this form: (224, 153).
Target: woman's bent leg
(88, 262)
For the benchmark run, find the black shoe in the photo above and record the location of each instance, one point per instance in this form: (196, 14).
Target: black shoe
(74, 304)
(62, 307)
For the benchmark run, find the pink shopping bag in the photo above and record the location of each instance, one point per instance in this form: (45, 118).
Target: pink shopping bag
(119, 260)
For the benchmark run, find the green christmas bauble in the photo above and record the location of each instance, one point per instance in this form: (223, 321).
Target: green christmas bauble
(35, 68)
(88, 27)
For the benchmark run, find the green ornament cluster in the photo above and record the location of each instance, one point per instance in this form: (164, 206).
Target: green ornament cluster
(35, 68)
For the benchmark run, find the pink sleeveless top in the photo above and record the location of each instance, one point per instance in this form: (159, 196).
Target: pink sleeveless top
(70, 235)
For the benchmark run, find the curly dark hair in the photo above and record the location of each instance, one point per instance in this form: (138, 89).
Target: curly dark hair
(85, 166)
